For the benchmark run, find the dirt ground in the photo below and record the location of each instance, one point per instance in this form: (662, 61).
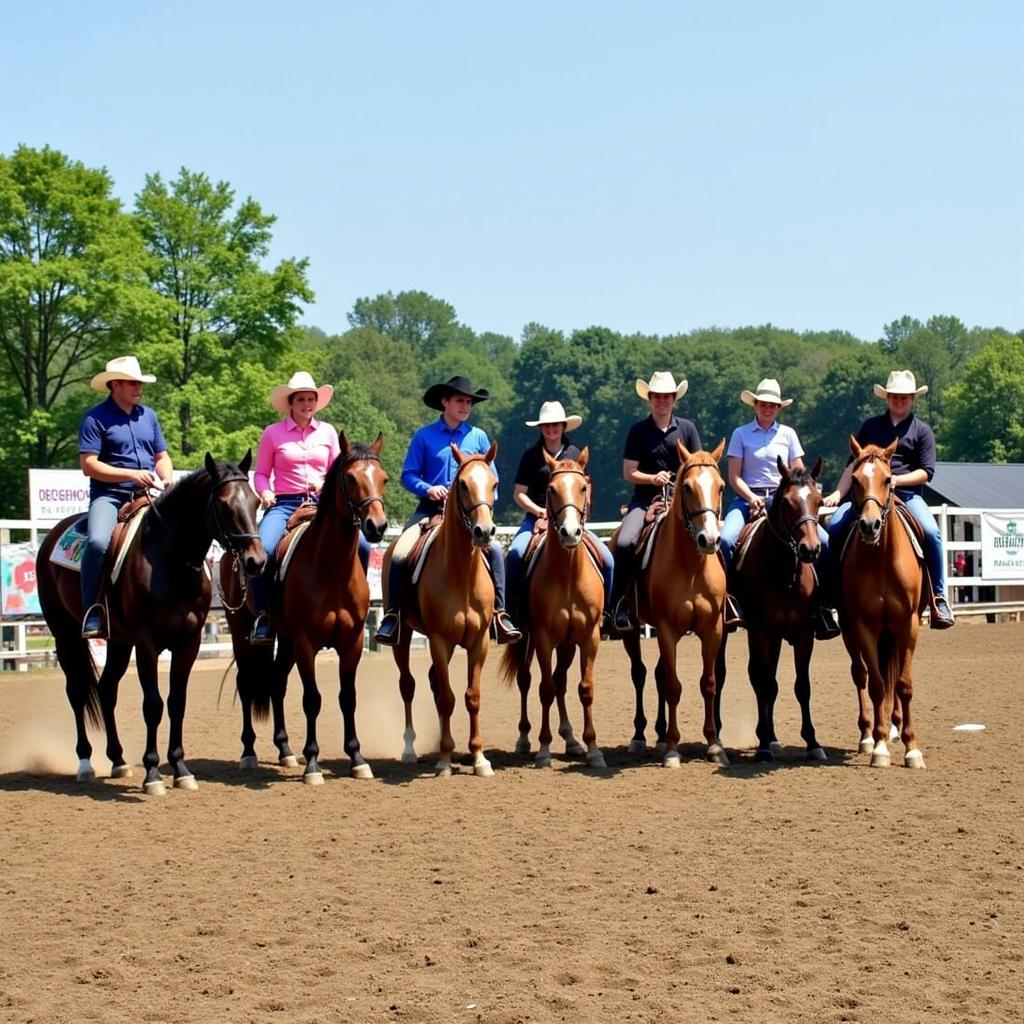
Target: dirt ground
(795, 892)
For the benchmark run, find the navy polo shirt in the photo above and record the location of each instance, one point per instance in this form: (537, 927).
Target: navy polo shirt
(915, 444)
(125, 440)
(654, 449)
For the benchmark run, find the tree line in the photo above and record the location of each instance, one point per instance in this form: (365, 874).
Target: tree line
(181, 280)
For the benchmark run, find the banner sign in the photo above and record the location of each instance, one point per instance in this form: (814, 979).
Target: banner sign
(56, 493)
(18, 592)
(1002, 546)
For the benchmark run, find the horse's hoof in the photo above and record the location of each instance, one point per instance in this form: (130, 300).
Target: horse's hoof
(775, 747)
(186, 782)
(867, 745)
(288, 761)
(595, 759)
(671, 760)
(575, 749)
(880, 760)
(717, 755)
(522, 747)
(638, 746)
(409, 757)
(817, 754)
(442, 770)
(313, 778)
(249, 763)
(482, 768)
(362, 771)
(763, 755)
(542, 761)
(85, 773)
(154, 788)
(121, 771)
(913, 759)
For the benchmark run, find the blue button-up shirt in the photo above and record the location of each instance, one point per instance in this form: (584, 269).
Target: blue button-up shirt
(430, 461)
(126, 440)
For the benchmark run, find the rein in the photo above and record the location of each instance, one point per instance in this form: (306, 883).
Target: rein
(787, 540)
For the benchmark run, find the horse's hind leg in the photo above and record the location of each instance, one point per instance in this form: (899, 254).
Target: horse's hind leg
(764, 648)
(563, 661)
(80, 687)
(152, 712)
(720, 674)
(407, 688)
(118, 656)
(638, 674)
(284, 661)
(349, 655)
(802, 689)
(859, 675)
(523, 681)
(661, 717)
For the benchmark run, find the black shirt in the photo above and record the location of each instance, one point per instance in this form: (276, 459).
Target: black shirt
(915, 447)
(654, 449)
(533, 472)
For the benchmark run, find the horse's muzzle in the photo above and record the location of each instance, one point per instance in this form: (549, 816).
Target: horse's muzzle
(253, 560)
(870, 529)
(374, 529)
(482, 535)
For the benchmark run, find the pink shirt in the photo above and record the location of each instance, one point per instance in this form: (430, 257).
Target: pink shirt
(296, 457)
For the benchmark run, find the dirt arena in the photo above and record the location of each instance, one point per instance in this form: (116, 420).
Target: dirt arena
(794, 892)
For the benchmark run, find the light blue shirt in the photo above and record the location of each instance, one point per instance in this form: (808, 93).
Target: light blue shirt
(429, 460)
(759, 448)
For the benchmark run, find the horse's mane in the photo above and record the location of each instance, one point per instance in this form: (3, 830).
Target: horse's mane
(868, 452)
(185, 493)
(357, 451)
(801, 477)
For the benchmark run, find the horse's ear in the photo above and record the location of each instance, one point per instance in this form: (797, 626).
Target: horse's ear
(783, 468)
(684, 452)
(584, 457)
(343, 443)
(378, 444)
(460, 458)
(817, 469)
(547, 458)
(891, 450)
(492, 452)
(854, 447)
(246, 462)
(211, 466)
(717, 453)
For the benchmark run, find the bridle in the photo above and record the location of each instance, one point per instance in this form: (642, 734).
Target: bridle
(773, 517)
(356, 508)
(464, 513)
(230, 540)
(887, 506)
(584, 511)
(690, 515)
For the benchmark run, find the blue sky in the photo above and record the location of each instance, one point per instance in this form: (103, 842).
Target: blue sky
(651, 167)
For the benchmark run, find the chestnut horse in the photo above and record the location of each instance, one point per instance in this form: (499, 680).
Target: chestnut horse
(452, 604)
(159, 602)
(322, 602)
(682, 590)
(776, 584)
(566, 596)
(882, 596)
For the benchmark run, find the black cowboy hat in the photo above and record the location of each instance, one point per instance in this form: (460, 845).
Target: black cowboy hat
(453, 386)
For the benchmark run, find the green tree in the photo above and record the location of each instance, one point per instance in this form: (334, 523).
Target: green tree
(221, 308)
(426, 324)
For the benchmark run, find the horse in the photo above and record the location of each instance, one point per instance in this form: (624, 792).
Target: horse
(565, 599)
(452, 604)
(159, 602)
(681, 590)
(774, 580)
(882, 599)
(322, 602)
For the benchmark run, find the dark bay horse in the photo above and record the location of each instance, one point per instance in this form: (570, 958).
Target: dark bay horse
(682, 590)
(160, 602)
(566, 596)
(774, 580)
(452, 604)
(882, 596)
(322, 602)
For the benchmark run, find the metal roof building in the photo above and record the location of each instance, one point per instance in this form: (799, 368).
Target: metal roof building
(977, 485)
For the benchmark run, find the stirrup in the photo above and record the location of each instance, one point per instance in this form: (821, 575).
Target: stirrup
(261, 635)
(826, 623)
(389, 629)
(94, 623)
(505, 630)
(941, 614)
(733, 615)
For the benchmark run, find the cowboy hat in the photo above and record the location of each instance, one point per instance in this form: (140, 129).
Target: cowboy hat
(661, 383)
(552, 412)
(301, 381)
(900, 382)
(121, 368)
(767, 391)
(453, 386)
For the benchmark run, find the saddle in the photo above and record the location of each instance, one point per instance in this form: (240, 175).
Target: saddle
(429, 529)
(653, 518)
(298, 523)
(70, 546)
(747, 534)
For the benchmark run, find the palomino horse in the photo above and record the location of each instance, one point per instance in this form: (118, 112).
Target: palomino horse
(566, 595)
(682, 590)
(774, 580)
(882, 602)
(159, 602)
(322, 602)
(452, 604)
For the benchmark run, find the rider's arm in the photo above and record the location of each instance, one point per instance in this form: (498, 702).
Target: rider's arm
(94, 468)
(164, 468)
(833, 499)
(632, 475)
(522, 499)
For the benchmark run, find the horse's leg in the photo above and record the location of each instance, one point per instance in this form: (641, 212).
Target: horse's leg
(660, 718)
(349, 655)
(710, 641)
(859, 675)
(876, 653)
(638, 674)
(720, 674)
(182, 661)
(444, 701)
(588, 656)
(118, 656)
(243, 676)
(563, 662)
(764, 647)
(305, 661)
(546, 690)
(152, 712)
(407, 688)
(475, 658)
(802, 651)
(80, 687)
(913, 757)
(669, 691)
(523, 682)
(284, 662)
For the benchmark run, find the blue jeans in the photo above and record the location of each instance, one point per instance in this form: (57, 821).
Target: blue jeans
(102, 520)
(841, 521)
(737, 515)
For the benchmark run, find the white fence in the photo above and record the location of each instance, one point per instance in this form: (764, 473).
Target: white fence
(970, 593)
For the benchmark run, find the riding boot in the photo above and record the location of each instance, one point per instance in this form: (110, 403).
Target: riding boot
(826, 621)
(732, 612)
(941, 613)
(94, 623)
(622, 578)
(390, 627)
(505, 630)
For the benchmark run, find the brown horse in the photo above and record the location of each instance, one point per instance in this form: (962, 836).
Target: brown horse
(159, 603)
(882, 597)
(566, 596)
(682, 590)
(776, 584)
(322, 602)
(452, 604)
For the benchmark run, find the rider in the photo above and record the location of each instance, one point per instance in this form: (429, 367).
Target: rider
(121, 448)
(754, 476)
(530, 491)
(428, 471)
(913, 465)
(294, 456)
(650, 460)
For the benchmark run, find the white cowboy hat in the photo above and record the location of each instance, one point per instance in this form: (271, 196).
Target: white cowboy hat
(121, 368)
(661, 383)
(767, 391)
(900, 382)
(552, 412)
(301, 381)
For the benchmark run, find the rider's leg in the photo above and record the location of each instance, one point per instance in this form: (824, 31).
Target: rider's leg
(942, 617)
(826, 623)
(504, 627)
(514, 558)
(736, 517)
(101, 522)
(271, 530)
(394, 584)
(624, 566)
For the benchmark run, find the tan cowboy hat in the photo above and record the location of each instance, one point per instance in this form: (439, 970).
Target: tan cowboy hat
(553, 412)
(661, 383)
(900, 382)
(767, 391)
(121, 368)
(301, 381)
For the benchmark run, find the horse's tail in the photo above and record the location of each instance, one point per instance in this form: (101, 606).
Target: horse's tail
(515, 659)
(254, 680)
(91, 692)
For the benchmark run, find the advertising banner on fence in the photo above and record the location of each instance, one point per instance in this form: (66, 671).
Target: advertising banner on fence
(1002, 546)
(18, 592)
(56, 493)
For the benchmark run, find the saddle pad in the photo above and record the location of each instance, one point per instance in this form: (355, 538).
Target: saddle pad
(534, 550)
(746, 536)
(421, 555)
(128, 534)
(70, 546)
(648, 545)
(289, 543)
